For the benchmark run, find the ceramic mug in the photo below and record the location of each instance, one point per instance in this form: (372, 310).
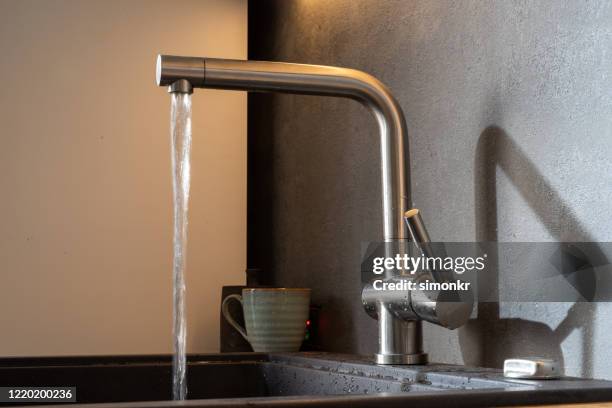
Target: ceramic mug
(275, 318)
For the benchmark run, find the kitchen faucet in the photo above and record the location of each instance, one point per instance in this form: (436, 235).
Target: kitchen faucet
(399, 314)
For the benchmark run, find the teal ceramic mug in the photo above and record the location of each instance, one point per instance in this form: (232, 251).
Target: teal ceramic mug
(275, 318)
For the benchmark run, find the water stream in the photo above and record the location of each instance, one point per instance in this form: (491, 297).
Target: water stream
(180, 132)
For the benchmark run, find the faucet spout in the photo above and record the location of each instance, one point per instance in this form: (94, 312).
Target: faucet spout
(399, 339)
(314, 80)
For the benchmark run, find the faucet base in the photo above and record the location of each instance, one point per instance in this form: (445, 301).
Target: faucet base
(401, 359)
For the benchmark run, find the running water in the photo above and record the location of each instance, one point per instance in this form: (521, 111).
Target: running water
(180, 132)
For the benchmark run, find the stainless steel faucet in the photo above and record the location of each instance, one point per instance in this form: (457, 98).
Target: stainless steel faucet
(399, 317)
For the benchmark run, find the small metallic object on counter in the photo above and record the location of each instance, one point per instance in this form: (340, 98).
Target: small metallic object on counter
(532, 368)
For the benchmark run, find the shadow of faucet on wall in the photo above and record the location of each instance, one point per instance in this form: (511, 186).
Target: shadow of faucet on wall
(503, 338)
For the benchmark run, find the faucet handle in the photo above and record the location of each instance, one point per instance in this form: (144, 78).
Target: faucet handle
(450, 309)
(421, 239)
(417, 229)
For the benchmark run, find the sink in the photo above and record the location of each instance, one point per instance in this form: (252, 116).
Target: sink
(289, 379)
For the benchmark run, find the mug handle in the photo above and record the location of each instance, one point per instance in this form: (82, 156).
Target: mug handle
(229, 318)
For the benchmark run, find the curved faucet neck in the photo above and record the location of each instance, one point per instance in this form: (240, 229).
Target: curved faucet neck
(315, 80)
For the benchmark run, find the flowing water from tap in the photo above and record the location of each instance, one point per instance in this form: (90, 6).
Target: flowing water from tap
(180, 132)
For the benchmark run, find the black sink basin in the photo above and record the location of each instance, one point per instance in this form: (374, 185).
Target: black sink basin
(288, 380)
(106, 379)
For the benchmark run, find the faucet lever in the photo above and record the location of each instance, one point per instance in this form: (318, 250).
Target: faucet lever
(445, 308)
(417, 229)
(421, 239)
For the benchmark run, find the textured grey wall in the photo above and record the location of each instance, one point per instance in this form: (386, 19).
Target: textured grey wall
(509, 111)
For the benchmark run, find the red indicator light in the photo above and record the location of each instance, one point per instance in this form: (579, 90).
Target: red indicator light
(307, 322)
